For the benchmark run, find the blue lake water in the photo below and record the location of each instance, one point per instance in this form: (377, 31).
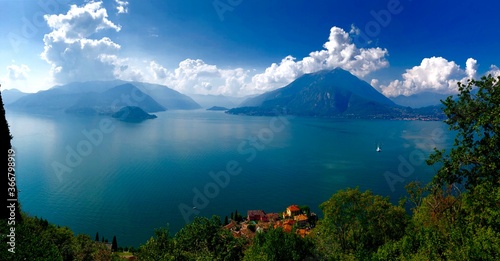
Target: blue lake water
(133, 178)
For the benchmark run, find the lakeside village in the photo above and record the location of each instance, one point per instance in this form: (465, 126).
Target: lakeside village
(295, 219)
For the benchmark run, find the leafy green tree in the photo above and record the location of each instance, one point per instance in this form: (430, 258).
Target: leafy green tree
(450, 222)
(85, 248)
(205, 238)
(277, 245)
(475, 157)
(157, 248)
(226, 221)
(97, 236)
(305, 210)
(357, 223)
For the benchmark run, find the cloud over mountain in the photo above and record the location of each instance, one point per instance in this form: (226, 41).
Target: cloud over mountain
(70, 51)
(339, 51)
(435, 74)
(18, 72)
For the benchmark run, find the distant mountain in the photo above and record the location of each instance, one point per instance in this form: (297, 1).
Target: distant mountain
(325, 93)
(207, 101)
(113, 99)
(83, 96)
(217, 108)
(420, 100)
(12, 95)
(132, 114)
(170, 99)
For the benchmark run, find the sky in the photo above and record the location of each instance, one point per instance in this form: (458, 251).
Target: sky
(243, 47)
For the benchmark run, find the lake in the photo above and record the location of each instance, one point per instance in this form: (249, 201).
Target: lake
(97, 174)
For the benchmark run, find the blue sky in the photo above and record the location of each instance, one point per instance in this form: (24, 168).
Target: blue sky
(241, 47)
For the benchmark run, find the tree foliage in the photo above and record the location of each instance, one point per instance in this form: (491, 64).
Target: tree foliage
(277, 245)
(358, 223)
(475, 115)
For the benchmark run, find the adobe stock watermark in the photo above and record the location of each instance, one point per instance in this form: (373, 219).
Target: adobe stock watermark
(406, 167)
(381, 19)
(93, 138)
(30, 27)
(248, 148)
(223, 6)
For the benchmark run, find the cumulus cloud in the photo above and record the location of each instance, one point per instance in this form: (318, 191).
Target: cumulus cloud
(435, 74)
(471, 68)
(339, 51)
(70, 51)
(197, 77)
(18, 72)
(122, 6)
(494, 71)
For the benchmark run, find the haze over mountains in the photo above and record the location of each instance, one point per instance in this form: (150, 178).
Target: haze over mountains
(104, 97)
(420, 100)
(329, 93)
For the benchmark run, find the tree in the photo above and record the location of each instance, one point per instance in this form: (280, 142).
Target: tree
(97, 236)
(114, 244)
(450, 222)
(159, 247)
(305, 209)
(204, 238)
(358, 223)
(475, 156)
(277, 244)
(226, 221)
(8, 170)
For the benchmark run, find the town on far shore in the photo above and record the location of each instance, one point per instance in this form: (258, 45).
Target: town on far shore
(295, 219)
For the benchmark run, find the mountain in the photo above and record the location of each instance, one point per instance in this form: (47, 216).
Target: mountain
(82, 96)
(113, 99)
(170, 99)
(217, 108)
(12, 95)
(335, 93)
(207, 101)
(132, 114)
(420, 100)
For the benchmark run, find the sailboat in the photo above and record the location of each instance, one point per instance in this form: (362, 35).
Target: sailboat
(378, 148)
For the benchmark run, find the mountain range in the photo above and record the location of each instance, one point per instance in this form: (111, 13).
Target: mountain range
(420, 100)
(331, 93)
(104, 97)
(208, 101)
(12, 95)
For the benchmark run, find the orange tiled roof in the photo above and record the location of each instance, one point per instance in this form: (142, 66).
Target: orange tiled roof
(301, 217)
(294, 208)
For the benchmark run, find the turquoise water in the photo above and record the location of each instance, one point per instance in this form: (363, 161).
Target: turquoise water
(132, 178)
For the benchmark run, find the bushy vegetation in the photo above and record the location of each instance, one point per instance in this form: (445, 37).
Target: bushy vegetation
(455, 217)
(37, 239)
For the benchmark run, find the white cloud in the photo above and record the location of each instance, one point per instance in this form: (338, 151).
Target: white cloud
(339, 51)
(70, 51)
(494, 71)
(18, 72)
(434, 74)
(471, 68)
(197, 77)
(122, 6)
(375, 84)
